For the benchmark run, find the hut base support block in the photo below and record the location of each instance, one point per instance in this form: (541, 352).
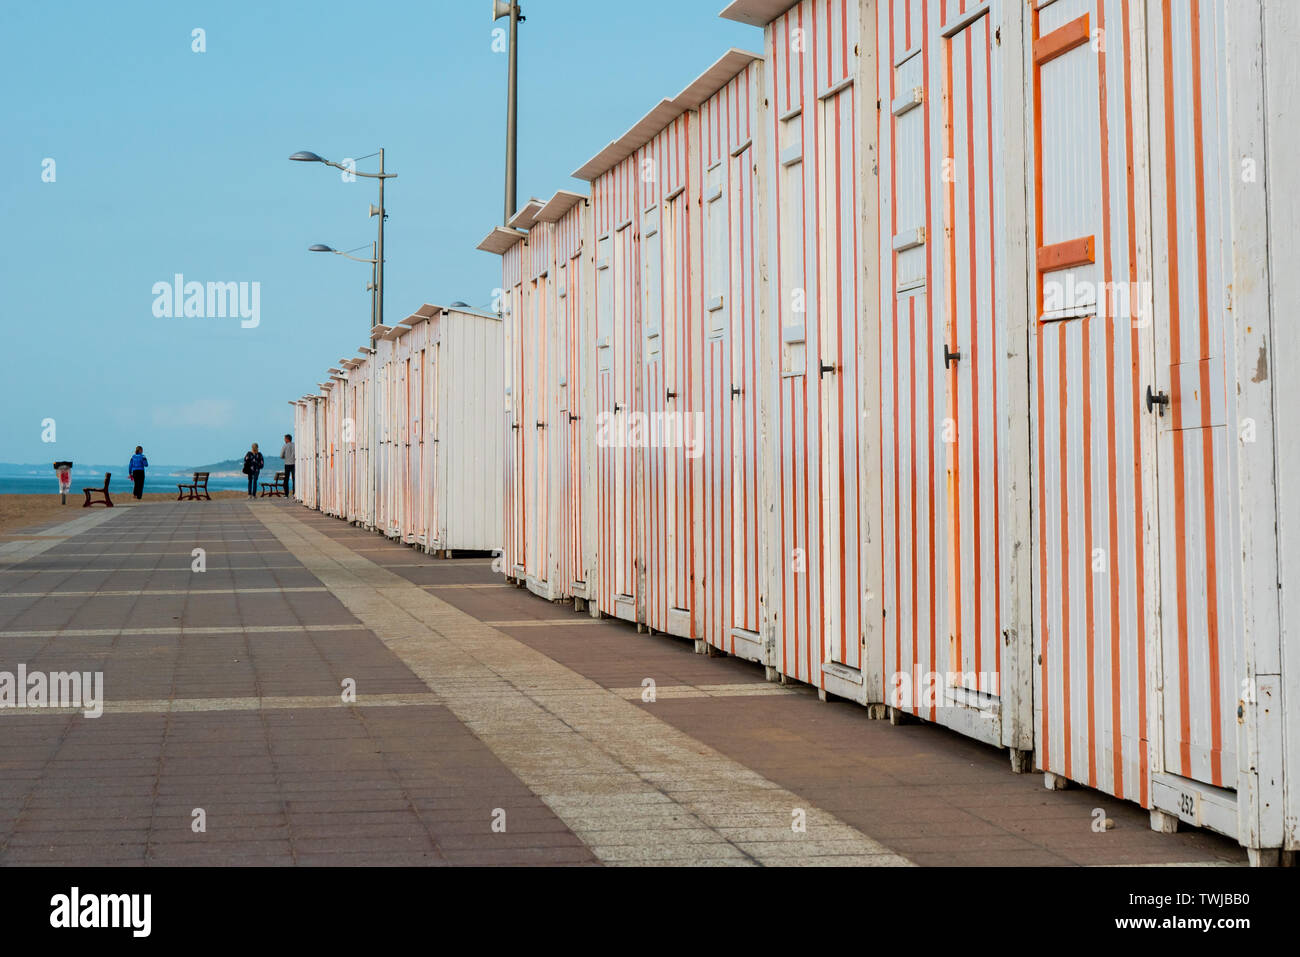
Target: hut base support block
(1022, 762)
(1163, 822)
(1055, 782)
(898, 717)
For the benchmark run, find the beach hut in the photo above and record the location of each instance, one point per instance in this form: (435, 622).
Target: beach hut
(949, 642)
(535, 363)
(548, 370)
(306, 430)
(819, 205)
(567, 215)
(508, 243)
(615, 199)
(1159, 530)
(728, 446)
(650, 336)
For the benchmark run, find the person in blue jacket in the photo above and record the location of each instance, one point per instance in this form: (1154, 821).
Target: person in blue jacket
(136, 470)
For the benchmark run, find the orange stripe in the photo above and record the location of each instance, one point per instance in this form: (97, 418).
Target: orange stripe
(1072, 252)
(1061, 40)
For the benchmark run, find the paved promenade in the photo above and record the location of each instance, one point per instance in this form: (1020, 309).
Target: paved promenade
(486, 725)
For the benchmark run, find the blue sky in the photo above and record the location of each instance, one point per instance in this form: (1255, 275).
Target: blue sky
(170, 161)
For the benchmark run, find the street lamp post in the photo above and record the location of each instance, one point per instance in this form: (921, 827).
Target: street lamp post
(376, 304)
(306, 156)
(372, 286)
(508, 8)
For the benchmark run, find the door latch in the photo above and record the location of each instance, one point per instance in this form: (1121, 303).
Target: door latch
(949, 357)
(825, 367)
(736, 391)
(541, 425)
(670, 394)
(1159, 398)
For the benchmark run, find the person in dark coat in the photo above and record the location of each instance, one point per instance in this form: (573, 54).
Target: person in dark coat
(253, 463)
(136, 470)
(287, 453)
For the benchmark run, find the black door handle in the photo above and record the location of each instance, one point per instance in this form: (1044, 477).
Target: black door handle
(670, 394)
(541, 425)
(574, 418)
(735, 391)
(1159, 398)
(949, 357)
(825, 367)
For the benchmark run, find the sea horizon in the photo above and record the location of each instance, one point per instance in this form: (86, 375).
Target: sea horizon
(34, 479)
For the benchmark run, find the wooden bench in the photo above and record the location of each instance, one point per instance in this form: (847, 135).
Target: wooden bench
(197, 489)
(99, 491)
(275, 488)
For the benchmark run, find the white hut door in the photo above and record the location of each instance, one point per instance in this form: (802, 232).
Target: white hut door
(606, 453)
(731, 309)
(967, 367)
(837, 291)
(673, 431)
(415, 450)
(540, 357)
(1189, 401)
(518, 434)
(401, 445)
(624, 472)
(431, 429)
(574, 352)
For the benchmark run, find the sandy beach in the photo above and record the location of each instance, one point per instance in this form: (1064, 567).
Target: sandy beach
(29, 513)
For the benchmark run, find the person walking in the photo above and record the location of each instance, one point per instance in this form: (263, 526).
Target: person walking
(253, 463)
(136, 470)
(286, 453)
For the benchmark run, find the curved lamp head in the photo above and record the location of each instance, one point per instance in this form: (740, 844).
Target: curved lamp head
(319, 248)
(307, 156)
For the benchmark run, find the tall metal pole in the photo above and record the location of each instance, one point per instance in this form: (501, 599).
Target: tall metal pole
(512, 114)
(374, 287)
(379, 266)
(374, 372)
